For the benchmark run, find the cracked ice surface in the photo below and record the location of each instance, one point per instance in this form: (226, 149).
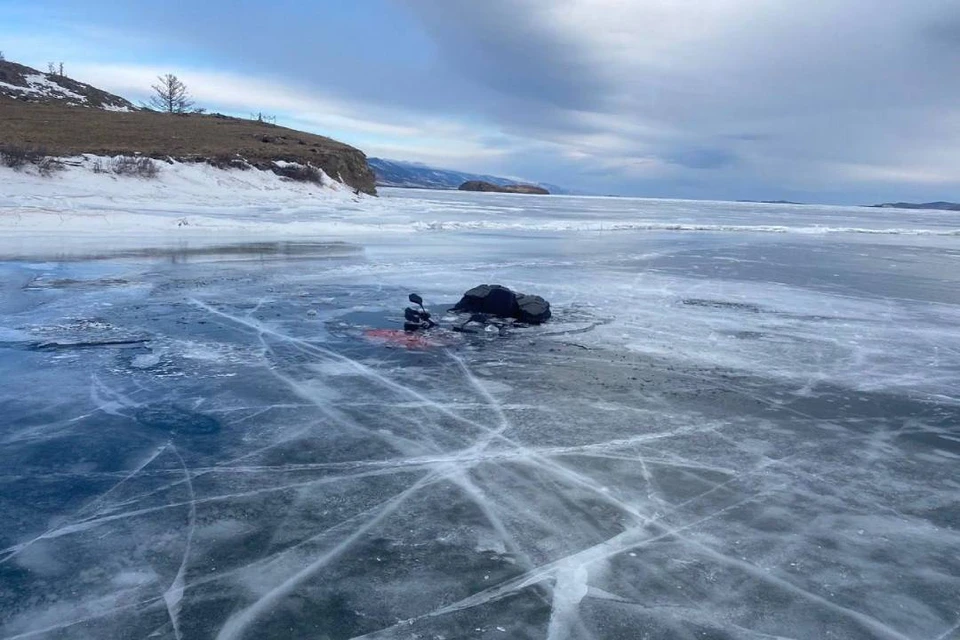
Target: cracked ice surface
(726, 435)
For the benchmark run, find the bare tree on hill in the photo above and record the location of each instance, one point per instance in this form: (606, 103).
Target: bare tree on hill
(171, 96)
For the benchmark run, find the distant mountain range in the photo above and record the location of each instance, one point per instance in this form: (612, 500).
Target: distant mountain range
(413, 175)
(941, 206)
(769, 202)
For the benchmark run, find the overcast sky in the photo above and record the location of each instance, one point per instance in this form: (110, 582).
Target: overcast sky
(848, 101)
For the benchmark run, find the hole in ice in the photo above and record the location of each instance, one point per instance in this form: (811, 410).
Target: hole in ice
(145, 360)
(40, 283)
(721, 304)
(748, 335)
(176, 420)
(372, 319)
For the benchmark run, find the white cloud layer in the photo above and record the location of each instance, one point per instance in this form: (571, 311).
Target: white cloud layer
(377, 130)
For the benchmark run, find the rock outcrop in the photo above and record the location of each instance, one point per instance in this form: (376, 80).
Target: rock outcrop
(497, 300)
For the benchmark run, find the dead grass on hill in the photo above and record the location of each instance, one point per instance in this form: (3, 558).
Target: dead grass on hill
(17, 158)
(220, 140)
(138, 166)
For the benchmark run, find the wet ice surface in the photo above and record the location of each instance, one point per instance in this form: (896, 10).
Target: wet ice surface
(720, 435)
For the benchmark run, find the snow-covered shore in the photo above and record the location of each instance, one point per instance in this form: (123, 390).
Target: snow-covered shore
(79, 209)
(186, 201)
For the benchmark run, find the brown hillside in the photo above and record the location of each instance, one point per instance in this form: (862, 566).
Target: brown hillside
(64, 131)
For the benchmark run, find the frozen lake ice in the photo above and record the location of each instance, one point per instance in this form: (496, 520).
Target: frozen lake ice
(742, 422)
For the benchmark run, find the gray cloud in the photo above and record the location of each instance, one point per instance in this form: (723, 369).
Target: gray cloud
(834, 96)
(703, 158)
(503, 46)
(945, 28)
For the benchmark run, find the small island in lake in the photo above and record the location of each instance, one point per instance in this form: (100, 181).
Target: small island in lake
(480, 185)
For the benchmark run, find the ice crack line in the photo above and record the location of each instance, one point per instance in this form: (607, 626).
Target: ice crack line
(237, 624)
(53, 532)
(173, 596)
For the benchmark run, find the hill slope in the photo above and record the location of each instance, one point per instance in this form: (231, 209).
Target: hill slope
(396, 173)
(63, 117)
(23, 83)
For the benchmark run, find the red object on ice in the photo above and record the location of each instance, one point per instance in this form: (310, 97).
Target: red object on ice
(400, 338)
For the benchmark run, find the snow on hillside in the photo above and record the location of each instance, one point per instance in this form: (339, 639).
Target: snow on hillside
(29, 85)
(37, 84)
